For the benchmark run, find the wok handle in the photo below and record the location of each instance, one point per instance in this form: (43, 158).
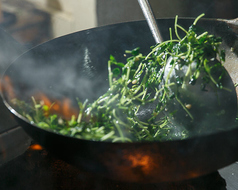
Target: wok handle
(150, 18)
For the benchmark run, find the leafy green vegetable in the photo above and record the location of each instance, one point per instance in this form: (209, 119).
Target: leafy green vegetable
(121, 113)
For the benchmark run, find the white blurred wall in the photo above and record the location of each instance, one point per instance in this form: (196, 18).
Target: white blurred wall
(69, 15)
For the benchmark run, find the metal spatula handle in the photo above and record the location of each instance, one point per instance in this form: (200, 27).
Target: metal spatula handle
(150, 18)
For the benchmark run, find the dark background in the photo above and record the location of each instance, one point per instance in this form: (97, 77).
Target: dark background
(114, 11)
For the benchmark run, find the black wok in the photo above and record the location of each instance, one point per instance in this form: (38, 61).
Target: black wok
(75, 65)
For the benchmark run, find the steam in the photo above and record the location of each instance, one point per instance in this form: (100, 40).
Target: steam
(72, 77)
(9, 51)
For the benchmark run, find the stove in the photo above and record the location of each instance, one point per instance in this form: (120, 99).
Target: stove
(38, 169)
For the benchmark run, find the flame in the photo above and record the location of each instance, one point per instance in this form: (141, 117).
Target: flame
(61, 107)
(136, 164)
(139, 160)
(8, 87)
(36, 147)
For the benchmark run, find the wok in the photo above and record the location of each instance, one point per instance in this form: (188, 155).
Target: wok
(75, 65)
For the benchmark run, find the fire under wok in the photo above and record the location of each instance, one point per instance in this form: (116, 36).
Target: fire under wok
(75, 65)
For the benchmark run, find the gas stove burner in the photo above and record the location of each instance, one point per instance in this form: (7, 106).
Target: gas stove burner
(38, 169)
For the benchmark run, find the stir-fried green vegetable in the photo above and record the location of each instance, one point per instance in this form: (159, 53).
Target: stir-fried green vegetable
(133, 107)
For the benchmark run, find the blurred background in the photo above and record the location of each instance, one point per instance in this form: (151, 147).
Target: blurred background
(32, 22)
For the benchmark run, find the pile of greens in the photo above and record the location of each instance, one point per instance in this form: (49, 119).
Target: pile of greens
(135, 86)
